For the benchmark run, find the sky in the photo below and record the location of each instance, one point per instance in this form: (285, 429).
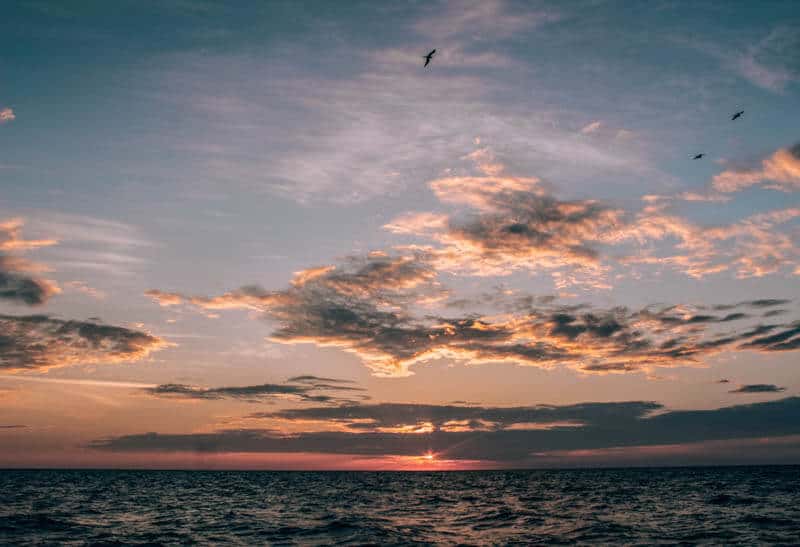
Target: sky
(262, 235)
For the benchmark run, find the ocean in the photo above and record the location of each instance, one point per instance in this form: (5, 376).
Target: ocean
(724, 505)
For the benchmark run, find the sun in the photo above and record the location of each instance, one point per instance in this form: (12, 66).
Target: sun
(429, 456)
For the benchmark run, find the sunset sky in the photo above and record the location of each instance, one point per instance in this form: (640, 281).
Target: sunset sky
(263, 235)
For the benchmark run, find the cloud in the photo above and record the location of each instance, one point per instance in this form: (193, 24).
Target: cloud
(780, 171)
(7, 115)
(81, 287)
(473, 19)
(591, 128)
(759, 388)
(309, 379)
(387, 417)
(766, 302)
(38, 342)
(753, 247)
(347, 119)
(92, 244)
(372, 305)
(11, 237)
(18, 284)
(301, 388)
(785, 340)
(771, 63)
(164, 298)
(509, 223)
(18, 287)
(622, 426)
(375, 307)
(515, 224)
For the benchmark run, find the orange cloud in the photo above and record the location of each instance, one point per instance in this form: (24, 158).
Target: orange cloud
(752, 247)
(781, 171)
(517, 226)
(164, 298)
(7, 115)
(11, 237)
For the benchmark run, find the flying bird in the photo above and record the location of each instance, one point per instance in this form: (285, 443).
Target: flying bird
(698, 156)
(737, 115)
(428, 57)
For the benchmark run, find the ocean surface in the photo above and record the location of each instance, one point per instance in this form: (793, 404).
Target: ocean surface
(746, 505)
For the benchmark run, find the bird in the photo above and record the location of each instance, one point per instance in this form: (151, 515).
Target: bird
(698, 156)
(428, 57)
(737, 115)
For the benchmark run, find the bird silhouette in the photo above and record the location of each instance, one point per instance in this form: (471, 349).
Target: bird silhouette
(737, 115)
(428, 57)
(698, 156)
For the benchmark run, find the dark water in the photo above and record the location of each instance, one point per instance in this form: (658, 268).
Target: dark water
(667, 506)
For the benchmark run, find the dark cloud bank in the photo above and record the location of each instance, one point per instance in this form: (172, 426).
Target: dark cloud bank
(561, 429)
(32, 342)
(759, 388)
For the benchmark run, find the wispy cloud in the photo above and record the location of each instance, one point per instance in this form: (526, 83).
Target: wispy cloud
(300, 388)
(83, 288)
(474, 20)
(343, 124)
(92, 244)
(771, 63)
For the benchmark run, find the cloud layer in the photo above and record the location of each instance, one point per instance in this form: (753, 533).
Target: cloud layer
(588, 427)
(374, 307)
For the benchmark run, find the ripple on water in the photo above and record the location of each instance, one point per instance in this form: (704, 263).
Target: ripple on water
(750, 505)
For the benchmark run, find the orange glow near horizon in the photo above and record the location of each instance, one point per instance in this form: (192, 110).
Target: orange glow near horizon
(245, 461)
